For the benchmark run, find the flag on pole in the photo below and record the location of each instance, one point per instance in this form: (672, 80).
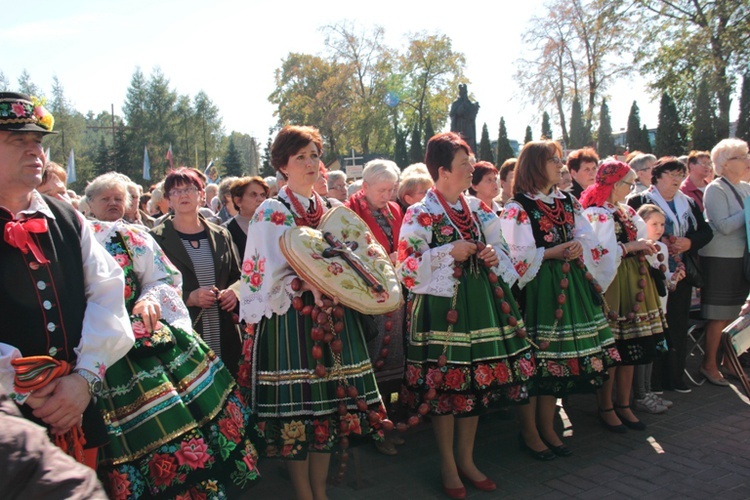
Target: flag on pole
(71, 167)
(146, 165)
(207, 171)
(169, 156)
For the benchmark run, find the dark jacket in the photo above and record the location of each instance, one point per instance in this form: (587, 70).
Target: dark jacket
(227, 269)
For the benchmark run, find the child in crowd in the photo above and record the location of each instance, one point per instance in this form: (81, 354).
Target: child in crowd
(645, 399)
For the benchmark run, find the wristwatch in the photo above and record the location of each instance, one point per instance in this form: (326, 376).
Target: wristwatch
(95, 383)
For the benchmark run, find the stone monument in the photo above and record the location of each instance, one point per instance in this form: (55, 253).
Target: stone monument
(463, 117)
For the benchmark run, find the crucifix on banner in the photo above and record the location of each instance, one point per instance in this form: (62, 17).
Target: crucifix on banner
(353, 171)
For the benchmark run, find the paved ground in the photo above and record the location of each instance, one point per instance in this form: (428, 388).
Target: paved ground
(698, 449)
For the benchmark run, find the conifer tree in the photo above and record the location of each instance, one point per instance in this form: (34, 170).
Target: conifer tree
(633, 133)
(232, 160)
(645, 144)
(485, 147)
(546, 128)
(416, 154)
(605, 141)
(400, 153)
(429, 131)
(669, 131)
(528, 137)
(578, 133)
(504, 150)
(704, 120)
(743, 122)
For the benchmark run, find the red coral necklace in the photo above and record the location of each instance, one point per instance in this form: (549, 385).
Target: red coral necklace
(306, 218)
(463, 220)
(556, 214)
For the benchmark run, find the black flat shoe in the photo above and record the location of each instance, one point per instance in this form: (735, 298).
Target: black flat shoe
(560, 451)
(545, 455)
(617, 429)
(636, 425)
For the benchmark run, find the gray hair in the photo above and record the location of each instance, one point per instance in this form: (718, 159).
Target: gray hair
(224, 186)
(628, 179)
(640, 161)
(415, 169)
(335, 175)
(353, 188)
(380, 170)
(724, 150)
(108, 181)
(157, 195)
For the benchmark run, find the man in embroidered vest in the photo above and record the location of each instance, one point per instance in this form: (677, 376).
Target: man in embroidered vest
(61, 294)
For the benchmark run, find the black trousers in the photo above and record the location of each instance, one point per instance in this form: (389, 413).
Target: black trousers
(678, 314)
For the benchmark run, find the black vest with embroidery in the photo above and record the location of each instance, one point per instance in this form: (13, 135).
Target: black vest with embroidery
(549, 231)
(625, 229)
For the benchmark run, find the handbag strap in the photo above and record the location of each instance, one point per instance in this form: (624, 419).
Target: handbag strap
(736, 194)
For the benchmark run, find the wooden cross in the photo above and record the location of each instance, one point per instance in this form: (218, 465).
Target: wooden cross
(346, 252)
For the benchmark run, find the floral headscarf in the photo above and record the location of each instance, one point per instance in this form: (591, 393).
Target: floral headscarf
(609, 174)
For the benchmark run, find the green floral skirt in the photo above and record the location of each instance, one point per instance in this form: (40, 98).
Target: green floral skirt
(486, 361)
(636, 339)
(577, 350)
(297, 410)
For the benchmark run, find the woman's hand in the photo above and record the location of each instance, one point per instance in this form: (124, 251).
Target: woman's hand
(678, 275)
(565, 251)
(462, 250)
(746, 308)
(394, 257)
(677, 245)
(646, 246)
(489, 256)
(227, 299)
(149, 311)
(202, 297)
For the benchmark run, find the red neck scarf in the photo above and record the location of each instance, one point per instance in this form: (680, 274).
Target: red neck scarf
(18, 235)
(357, 203)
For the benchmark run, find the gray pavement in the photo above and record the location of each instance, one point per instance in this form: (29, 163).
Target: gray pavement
(698, 449)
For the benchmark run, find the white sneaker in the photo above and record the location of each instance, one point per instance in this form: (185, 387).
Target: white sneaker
(659, 400)
(649, 405)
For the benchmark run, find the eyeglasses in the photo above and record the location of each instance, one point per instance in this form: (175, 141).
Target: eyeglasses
(676, 175)
(741, 157)
(252, 194)
(631, 184)
(179, 192)
(556, 160)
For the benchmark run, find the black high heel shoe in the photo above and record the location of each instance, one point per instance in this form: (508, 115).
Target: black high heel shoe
(560, 451)
(545, 455)
(617, 429)
(636, 425)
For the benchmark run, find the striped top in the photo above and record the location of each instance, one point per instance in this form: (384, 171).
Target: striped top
(199, 250)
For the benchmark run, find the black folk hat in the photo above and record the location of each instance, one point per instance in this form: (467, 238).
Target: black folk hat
(21, 113)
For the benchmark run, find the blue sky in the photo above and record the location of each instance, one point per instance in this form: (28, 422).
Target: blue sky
(230, 49)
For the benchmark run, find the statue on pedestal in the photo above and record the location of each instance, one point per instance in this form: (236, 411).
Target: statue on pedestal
(463, 117)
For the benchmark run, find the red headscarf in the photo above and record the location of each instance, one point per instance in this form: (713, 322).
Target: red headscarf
(607, 176)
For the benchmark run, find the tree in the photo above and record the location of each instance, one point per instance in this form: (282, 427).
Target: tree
(26, 86)
(682, 40)
(645, 145)
(669, 132)
(267, 169)
(579, 136)
(232, 161)
(605, 142)
(103, 161)
(546, 128)
(429, 131)
(528, 137)
(485, 147)
(704, 120)
(633, 133)
(743, 122)
(504, 150)
(400, 154)
(416, 154)
(4, 83)
(209, 127)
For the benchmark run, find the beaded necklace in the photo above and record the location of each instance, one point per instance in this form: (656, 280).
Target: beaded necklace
(463, 220)
(306, 219)
(556, 214)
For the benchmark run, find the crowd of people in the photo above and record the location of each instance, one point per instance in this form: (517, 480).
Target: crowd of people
(174, 324)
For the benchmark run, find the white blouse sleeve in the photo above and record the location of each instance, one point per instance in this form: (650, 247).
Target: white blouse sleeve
(160, 280)
(493, 236)
(422, 269)
(524, 253)
(602, 223)
(7, 374)
(106, 335)
(265, 286)
(593, 250)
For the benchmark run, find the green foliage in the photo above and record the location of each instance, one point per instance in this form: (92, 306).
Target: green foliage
(429, 131)
(504, 149)
(579, 135)
(645, 144)
(528, 137)
(704, 120)
(267, 169)
(546, 127)
(103, 161)
(743, 122)
(485, 147)
(605, 142)
(232, 161)
(633, 133)
(669, 132)
(400, 153)
(4, 83)
(26, 86)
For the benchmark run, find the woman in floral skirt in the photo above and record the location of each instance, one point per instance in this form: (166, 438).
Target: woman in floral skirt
(555, 252)
(635, 315)
(465, 346)
(177, 423)
(303, 408)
